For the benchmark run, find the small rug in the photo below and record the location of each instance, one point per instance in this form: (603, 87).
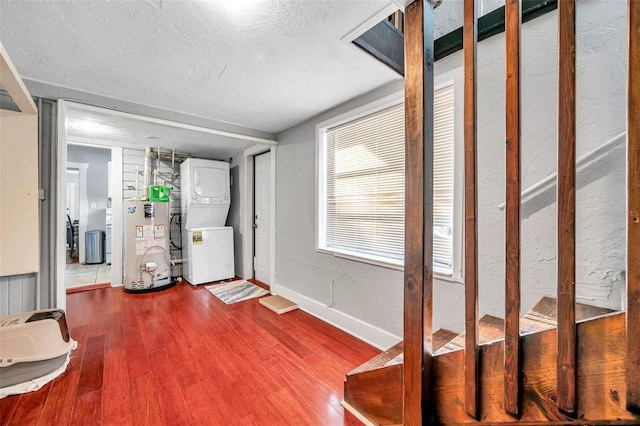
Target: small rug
(236, 291)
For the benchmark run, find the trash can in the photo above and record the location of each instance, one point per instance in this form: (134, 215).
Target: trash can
(94, 242)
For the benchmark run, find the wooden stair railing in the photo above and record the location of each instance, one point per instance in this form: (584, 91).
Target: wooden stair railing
(547, 368)
(375, 388)
(566, 201)
(418, 259)
(633, 207)
(512, 209)
(600, 377)
(471, 344)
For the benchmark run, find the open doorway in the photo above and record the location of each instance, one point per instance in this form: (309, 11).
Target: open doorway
(88, 218)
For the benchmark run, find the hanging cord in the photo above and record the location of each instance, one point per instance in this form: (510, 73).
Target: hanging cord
(173, 244)
(164, 256)
(162, 250)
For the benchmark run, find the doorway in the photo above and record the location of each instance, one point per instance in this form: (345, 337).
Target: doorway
(262, 217)
(88, 215)
(258, 235)
(76, 210)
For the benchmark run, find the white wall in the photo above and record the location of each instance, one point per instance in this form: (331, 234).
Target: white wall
(371, 294)
(97, 181)
(370, 298)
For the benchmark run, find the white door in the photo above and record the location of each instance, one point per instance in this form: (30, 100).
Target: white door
(262, 217)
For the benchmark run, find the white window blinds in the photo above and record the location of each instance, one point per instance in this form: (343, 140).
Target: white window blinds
(365, 186)
(443, 175)
(363, 203)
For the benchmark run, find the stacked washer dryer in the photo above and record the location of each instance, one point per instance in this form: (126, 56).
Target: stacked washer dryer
(207, 244)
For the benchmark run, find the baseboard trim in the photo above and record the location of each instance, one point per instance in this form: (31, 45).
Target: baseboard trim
(366, 332)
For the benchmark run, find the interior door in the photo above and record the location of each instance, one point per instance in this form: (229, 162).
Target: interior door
(262, 217)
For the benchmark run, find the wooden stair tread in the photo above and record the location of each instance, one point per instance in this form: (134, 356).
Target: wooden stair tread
(442, 337)
(545, 310)
(395, 354)
(380, 360)
(490, 328)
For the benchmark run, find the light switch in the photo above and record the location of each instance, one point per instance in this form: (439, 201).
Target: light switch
(93, 205)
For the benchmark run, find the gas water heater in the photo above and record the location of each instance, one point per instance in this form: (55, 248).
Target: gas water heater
(147, 266)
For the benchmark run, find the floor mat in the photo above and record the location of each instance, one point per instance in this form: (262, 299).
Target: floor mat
(236, 291)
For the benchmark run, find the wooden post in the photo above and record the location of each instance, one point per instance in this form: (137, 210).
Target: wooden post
(512, 210)
(566, 300)
(471, 364)
(418, 263)
(633, 205)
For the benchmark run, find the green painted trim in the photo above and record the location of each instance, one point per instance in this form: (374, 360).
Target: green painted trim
(388, 47)
(491, 24)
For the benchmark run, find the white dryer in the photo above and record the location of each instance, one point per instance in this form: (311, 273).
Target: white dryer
(205, 192)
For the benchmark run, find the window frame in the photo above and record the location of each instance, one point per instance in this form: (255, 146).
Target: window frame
(446, 79)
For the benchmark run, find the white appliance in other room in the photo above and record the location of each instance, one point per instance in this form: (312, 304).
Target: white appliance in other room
(205, 200)
(147, 266)
(108, 235)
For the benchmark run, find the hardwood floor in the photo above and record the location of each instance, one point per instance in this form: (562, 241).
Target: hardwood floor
(182, 357)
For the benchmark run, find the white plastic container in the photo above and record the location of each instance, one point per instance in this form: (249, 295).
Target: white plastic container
(32, 344)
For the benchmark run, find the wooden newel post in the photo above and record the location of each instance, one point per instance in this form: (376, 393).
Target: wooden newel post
(418, 266)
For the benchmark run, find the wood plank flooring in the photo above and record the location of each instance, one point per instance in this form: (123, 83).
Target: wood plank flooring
(182, 357)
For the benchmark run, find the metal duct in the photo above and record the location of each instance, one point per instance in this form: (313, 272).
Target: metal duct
(147, 171)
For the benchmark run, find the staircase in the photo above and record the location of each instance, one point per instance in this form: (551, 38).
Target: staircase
(373, 391)
(562, 362)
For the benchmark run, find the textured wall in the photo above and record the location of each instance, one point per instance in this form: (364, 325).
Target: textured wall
(374, 294)
(601, 66)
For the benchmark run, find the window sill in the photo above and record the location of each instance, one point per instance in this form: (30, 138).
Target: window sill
(447, 277)
(437, 275)
(362, 259)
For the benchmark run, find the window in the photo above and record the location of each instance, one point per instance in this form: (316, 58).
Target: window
(361, 185)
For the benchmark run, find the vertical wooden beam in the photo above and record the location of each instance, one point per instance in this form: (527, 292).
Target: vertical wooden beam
(633, 205)
(418, 263)
(512, 210)
(471, 364)
(566, 300)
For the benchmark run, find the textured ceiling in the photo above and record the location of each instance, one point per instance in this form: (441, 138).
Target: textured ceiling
(262, 64)
(94, 126)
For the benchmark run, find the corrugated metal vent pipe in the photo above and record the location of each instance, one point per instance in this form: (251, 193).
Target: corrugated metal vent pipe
(147, 172)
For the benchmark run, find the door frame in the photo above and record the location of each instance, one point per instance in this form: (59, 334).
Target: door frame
(247, 212)
(61, 193)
